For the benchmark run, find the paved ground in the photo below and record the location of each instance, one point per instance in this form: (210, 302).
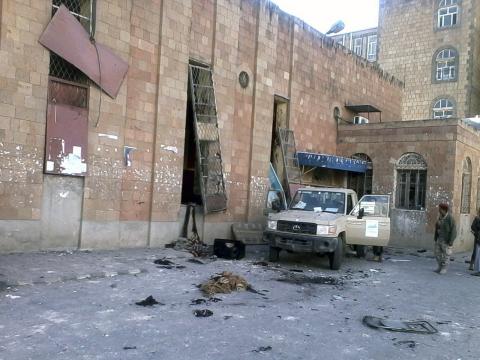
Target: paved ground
(82, 306)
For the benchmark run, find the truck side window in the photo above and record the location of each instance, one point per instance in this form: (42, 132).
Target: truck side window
(349, 204)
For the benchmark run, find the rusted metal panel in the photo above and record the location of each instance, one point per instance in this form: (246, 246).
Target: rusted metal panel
(67, 130)
(67, 38)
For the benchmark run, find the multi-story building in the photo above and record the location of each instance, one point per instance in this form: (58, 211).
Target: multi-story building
(363, 43)
(433, 46)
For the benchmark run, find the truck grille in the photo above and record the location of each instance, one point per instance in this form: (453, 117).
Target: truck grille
(297, 227)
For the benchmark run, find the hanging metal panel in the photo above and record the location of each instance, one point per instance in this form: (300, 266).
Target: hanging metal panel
(209, 153)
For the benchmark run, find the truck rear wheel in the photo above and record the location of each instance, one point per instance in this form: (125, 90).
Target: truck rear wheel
(335, 258)
(273, 253)
(361, 250)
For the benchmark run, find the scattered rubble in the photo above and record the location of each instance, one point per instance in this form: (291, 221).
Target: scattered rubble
(129, 348)
(203, 313)
(225, 283)
(149, 301)
(409, 343)
(303, 279)
(262, 349)
(167, 264)
(419, 327)
(205, 301)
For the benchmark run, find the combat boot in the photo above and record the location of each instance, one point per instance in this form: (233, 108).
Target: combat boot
(437, 270)
(443, 271)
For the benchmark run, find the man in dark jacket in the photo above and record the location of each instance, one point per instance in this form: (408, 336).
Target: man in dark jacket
(476, 232)
(445, 234)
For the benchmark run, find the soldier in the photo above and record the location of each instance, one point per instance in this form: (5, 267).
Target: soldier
(445, 234)
(476, 232)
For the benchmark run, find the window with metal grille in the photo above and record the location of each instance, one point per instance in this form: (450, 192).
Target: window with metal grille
(447, 13)
(466, 186)
(446, 65)
(411, 182)
(60, 68)
(443, 109)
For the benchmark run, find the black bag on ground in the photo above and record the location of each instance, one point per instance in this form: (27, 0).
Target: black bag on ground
(229, 249)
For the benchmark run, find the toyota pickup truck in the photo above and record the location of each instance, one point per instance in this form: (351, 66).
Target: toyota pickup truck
(324, 221)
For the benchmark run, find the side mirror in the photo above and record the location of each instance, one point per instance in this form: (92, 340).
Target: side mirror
(361, 213)
(276, 205)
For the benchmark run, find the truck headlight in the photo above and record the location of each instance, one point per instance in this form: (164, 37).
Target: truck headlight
(272, 224)
(326, 229)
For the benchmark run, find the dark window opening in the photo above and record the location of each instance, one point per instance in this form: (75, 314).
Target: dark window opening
(280, 121)
(191, 192)
(349, 204)
(361, 183)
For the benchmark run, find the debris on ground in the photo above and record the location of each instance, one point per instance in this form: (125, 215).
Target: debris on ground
(229, 249)
(409, 343)
(196, 261)
(304, 279)
(262, 349)
(129, 348)
(167, 264)
(421, 250)
(260, 263)
(399, 260)
(419, 327)
(193, 244)
(224, 283)
(203, 313)
(296, 270)
(149, 301)
(205, 301)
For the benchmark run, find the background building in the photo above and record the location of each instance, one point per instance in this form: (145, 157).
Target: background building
(433, 47)
(362, 43)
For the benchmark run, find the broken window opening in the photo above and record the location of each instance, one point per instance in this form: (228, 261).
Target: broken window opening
(82, 10)
(207, 140)
(191, 192)
(361, 183)
(280, 121)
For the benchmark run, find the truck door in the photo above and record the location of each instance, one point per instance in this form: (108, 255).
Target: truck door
(369, 221)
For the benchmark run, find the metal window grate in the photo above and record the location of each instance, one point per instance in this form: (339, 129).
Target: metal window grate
(207, 138)
(60, 68)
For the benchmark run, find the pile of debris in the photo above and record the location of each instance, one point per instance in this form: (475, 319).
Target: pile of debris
(224, 283)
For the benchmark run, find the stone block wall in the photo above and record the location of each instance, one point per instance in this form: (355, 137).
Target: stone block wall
(123, 206)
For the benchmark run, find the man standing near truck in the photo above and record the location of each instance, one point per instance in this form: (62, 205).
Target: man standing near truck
(445, 234)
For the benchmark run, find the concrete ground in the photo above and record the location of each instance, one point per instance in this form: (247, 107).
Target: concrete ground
(82, 306)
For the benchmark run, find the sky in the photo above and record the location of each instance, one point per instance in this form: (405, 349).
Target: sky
(322, 14)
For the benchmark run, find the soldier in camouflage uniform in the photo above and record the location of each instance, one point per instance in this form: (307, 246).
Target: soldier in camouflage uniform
(445, 234)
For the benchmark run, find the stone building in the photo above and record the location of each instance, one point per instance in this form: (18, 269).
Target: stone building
(80, 167)
(433, 47)
(362, 42)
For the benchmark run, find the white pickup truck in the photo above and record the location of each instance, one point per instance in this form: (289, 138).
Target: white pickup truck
(325, 220)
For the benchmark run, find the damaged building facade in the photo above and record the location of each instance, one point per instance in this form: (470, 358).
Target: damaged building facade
(194, 118)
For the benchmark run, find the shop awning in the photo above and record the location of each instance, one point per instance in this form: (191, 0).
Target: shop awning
(331, 162)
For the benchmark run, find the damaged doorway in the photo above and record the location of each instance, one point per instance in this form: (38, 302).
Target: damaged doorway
(191, 192)
(280, 121)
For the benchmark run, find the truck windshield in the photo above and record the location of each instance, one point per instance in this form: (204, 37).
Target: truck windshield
(321, 201)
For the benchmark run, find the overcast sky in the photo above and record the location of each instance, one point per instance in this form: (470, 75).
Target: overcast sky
(321, 14)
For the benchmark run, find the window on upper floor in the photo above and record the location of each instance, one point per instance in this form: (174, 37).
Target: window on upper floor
(372, 48)
(357, 46)
(447, 13)
(443, 109)
(446, 65)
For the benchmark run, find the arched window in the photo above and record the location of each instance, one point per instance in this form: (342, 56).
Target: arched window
(446, 65)
(411, 182)
(361, 182)
(447, 13)
(466, 186)
(443, 109)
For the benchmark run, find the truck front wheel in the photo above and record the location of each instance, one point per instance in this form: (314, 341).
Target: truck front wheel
(335, 258)
(273, 254)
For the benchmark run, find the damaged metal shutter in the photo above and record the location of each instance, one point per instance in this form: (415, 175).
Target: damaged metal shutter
(209, 156)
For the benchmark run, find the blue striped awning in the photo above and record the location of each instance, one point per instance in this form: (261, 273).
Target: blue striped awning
(331, 162)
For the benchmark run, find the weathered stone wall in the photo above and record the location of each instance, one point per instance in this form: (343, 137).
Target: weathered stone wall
(408, 42)
(443, 146)
(140, 205)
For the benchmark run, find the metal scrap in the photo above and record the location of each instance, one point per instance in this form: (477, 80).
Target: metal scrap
(418, 326)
